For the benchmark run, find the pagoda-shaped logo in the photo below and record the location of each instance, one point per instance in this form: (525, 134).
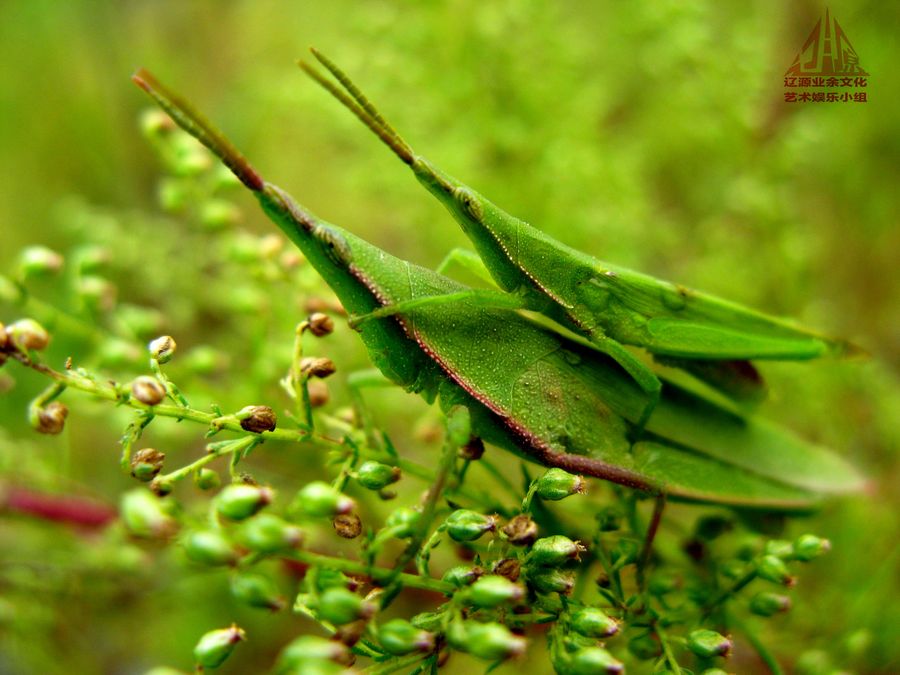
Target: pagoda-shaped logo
(827, 51)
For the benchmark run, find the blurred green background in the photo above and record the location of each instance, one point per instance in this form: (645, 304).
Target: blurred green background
(653, 135)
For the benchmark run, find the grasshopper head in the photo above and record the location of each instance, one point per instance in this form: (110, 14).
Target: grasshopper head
(466, 205)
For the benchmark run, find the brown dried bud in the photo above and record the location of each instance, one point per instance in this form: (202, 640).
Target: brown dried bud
(4, 340)
(148, 390)
(317, 366)
(320, 324)
(507, 567)
(161, 486)
(27, 334)
(52, 418)
(162, 348)
(347, 525)
(318, 393)
(521, 530)
(258, 418)
(146, 463)
(473, 450)
(350, 633)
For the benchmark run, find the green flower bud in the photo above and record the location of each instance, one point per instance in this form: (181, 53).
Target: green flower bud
(310, 649)
(51, 419)
(163, 670)
(148, 390)
(146, 516)
(769, 604)
(320, 324)
(779, 548)
(375, 475)
(714, 671)
(239, 500)
(465, 525)
(172, 194)
(98, 294)
(809, 547)
(593, 622)
(216, 214)
(146, 463)
(772, 568)
(39, 260)
(257, 418)
(554, 551)
(256, 590)
(28, 334)
(405, 521)
(347, 525)
(645, 647)
(329, 578)
(154, 123)
(162, 348)
(593, 661)
(550, 580)
(399, 637)
(188, 157)
(207, 479)
(321, 499)
(162, 485)
(269, 534)
(492, 591)
(708, 643)
(340, 606)
(459, 426)
(490, 641)
(521, 530)
(462, 575)
(216, 646)
(210, 547)
(557, 484)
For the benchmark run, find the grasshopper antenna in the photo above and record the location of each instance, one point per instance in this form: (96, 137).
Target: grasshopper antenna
(357, 103)
(199, 127)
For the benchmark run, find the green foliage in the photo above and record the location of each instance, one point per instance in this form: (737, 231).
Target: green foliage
(789, 210)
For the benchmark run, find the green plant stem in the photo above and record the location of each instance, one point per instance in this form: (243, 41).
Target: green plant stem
(667, 649)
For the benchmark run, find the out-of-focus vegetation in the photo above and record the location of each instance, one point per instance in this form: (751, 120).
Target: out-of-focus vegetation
(652, 135)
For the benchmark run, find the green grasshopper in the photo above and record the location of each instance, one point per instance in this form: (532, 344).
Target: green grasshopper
(545, 397)
(611, 306)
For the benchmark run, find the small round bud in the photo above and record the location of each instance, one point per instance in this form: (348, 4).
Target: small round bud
(593, 661)
(256, 590)
(210, 547)
(462, 575)
(145, 515)
(509, 568)
(399, 637)
(267, 534)
(557, 484)
(320, 324)
(708, 643)
(809, 547)
(154, 122)
(714, 671)
(340, 606)
(217, 645)
(148, 390)
(375, 475)
(593, 622)
(321, 499)
(51, 419)
(347, 525)
(554, 551)
(466, 525)
(239, 501)
(28, 334)
(779, 548)
(98, 294)
(172, 194)
(162, 348)
(459, 426)
(521, 530)
(404, 522)
(162, 485)
(39, 260)
(317, 366)
(769, 604)
(318, 393)
(311, 649)
(772, 568)
(492, 591)
(472, 450)
(146, 464)
(216, 214)
(550, 580)
(257, 418)
(186, 156)
(207, 479)
(490, 641)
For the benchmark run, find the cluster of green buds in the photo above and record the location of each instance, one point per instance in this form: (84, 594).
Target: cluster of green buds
(545, 561)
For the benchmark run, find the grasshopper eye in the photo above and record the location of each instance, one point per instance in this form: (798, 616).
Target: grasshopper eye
(470, 203)
(334, 245)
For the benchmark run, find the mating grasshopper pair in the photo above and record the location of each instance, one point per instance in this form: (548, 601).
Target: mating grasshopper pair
(575, 398)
